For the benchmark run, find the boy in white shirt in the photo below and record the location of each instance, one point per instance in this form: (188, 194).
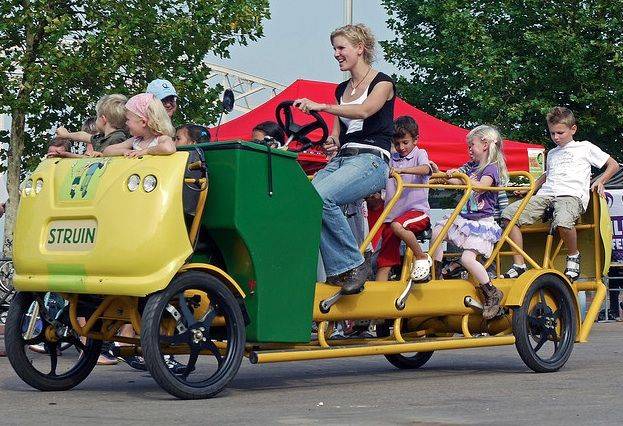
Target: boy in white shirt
(564, 187)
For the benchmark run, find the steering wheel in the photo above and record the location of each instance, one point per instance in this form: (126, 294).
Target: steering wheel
(297, 132)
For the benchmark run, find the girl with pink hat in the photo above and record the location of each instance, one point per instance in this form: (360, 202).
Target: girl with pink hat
(150, 127)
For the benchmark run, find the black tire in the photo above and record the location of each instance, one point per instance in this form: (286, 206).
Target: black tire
(545, 324)
(25, 363)
(405, 362)
(196, 381)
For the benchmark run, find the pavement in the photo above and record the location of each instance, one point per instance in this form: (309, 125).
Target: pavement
(474, 386)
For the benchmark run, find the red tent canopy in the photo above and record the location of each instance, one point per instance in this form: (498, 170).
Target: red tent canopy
(444, 142)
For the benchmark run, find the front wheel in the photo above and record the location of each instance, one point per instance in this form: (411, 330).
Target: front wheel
(545, 324)
(198, 319)
(45, 372)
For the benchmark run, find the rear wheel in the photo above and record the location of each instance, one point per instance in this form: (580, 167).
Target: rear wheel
(199, 320)
(404, 361)
(545, 324)
(45, 372)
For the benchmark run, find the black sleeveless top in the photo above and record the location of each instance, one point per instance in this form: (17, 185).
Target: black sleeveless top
(378, 129)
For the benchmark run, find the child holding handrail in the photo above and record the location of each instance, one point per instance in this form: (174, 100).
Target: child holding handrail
(409, 216)
(475, 230)
(564, 187)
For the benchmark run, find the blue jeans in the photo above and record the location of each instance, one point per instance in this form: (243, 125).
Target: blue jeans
(345, 180)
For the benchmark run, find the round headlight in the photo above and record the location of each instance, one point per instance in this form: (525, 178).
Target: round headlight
(134, 181)
(149, 183)
(38, 186)
(28, 187)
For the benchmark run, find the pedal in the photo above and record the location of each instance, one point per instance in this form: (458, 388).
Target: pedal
(400, 303)
(325, 305)
(470, 302)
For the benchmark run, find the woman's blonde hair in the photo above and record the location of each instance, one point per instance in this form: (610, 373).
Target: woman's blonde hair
(495, 154)
(158, 120)
(358, 34)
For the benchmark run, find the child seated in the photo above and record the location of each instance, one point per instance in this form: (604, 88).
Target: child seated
(475, 230)
(454, 269)
(58, 147)
(191, 134)
(409, 216)
(270, 133)
(109, 128)
(564, 186)
(150, 127)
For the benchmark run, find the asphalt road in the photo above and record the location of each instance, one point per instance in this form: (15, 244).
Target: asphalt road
(476, 386)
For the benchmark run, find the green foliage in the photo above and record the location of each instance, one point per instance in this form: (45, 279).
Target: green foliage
(507, 62)
(59, 57)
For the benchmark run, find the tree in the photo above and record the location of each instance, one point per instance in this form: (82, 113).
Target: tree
(59, 56)
(507, 62)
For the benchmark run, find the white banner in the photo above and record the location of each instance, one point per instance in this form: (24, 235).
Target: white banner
(614, 197)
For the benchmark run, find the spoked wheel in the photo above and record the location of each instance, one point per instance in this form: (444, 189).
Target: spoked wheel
(545, 324)
(45, 372)
(198, 319)
(404, 361)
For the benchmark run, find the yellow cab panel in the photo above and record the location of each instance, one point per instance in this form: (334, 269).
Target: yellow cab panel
(81, 229)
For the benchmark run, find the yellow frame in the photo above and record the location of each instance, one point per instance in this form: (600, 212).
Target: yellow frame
(441, 316)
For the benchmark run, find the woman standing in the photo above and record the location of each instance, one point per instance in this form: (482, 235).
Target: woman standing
(360, 140)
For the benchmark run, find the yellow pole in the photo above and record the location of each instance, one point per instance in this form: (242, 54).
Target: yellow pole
(396, 348)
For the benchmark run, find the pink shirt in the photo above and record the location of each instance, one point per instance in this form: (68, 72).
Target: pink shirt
(411, 198)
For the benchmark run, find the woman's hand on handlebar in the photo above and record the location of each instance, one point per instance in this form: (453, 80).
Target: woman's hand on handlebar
(306, 105)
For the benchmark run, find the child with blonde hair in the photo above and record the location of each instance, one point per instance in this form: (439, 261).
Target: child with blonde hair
(475, 229)
(150, 127)
(565, 187)
(108, 126)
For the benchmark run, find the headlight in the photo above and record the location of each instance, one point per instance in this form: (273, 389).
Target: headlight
(149, 183)
(38, 186)
(28, 187)
(134, 182)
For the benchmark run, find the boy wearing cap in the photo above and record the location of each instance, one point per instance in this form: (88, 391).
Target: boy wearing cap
(165, 92)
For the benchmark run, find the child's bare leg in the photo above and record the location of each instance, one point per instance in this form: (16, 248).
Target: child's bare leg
(438, 255)
(570, 238)
(409, 238)
(517, 237)
(474, 267)
(126, 331)
(492, 295)
(382, 273)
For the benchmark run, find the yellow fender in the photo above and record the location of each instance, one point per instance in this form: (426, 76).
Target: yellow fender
(218, 273)
(518, 291)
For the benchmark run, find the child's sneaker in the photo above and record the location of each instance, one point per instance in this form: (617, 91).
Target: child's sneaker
(135, 362)
(514, 271)
(572, 269)
(174, 365)
(106, 358)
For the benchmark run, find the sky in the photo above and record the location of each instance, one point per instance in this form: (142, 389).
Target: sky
(296, 42)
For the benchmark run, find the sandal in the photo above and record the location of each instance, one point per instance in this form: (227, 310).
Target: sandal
(572, 271)
(452, 270)
(421, 269)
(514, 271)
